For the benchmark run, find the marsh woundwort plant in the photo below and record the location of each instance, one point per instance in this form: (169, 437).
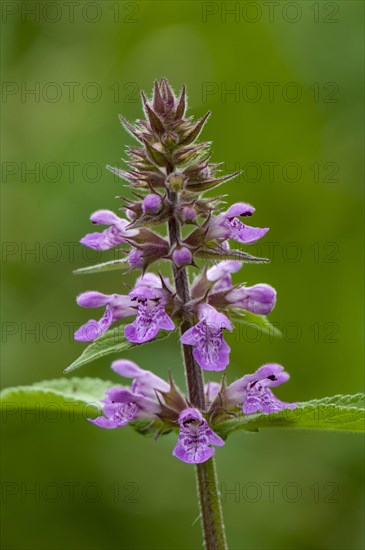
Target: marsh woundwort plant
(169, 173)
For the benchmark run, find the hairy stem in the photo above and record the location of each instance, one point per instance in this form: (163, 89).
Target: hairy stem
(207, 484)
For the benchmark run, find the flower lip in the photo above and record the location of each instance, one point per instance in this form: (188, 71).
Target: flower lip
(211, 352)
(213, 318)
(273, 373)
(106, 217)
(189, 415)
(92, 298)
(239, 209)
(196, 438)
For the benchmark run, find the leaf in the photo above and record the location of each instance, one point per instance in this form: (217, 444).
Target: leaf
(221, 254)
(99, 268)
(49, 399)
(112, 341)
(72, 395)
(251, 319)
(340, 413)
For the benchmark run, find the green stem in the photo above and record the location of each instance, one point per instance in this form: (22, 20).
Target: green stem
(210, 506)
(207, 483)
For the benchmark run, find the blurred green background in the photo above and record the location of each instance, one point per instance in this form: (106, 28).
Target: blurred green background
(295, 124)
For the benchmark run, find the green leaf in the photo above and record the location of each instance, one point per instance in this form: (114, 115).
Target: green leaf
(79, 395)
(71, 396)
(220, 254)
(251, 319)
(106, 266)
(341, 413)
(112, 341)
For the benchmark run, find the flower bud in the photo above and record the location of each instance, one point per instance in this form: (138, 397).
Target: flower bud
(152, 204)
(182, 256)
(189, 214)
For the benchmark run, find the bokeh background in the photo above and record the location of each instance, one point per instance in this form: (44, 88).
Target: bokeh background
(294, 123)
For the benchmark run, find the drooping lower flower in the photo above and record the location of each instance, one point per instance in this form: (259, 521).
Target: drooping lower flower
(147, 301)
(194, 444)
(211, 352)
(122, 405)
(151, 316)
(253, 392)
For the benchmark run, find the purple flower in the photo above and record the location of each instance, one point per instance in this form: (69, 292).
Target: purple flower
(211, 352)
(146, 300)
(152, 204)
(227, 226)
(253, 392)
(116, 234)
(182, 256)
(122, 405)
(151, 315)
(260, 299)
(195, 438)
(117, 307)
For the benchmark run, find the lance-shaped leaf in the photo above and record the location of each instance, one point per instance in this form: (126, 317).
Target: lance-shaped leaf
(70, 395)
(222, 254)
(338, 413)
(112, 341)
(106, 266)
